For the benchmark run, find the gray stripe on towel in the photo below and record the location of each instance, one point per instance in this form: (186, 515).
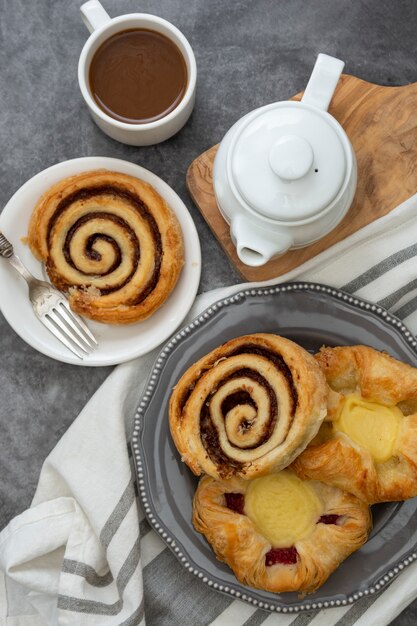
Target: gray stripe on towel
(128, 567)
(174, 596)
(256, 619)
(389, 301)
(304, 618)
(381, 268)
(144, 528)
(69, 603)
(118, 515)
(407, 309)
(260, 616)
(70, 566)
(357, 610)
(77, 605)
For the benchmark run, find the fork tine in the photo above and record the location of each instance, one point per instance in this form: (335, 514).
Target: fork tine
(59, 335)
(58, 319)
(80, 321)
(78, 327)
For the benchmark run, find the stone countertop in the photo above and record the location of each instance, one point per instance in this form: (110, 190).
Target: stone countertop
(248, 54)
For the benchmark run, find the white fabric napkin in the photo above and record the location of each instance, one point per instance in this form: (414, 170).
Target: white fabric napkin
(83, 554)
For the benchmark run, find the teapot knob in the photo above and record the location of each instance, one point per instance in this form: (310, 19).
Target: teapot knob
(291, 157)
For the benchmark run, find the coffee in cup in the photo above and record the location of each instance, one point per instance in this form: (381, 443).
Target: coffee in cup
(138, 76)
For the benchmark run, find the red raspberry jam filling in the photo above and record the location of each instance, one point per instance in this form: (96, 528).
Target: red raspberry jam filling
(328, 519)
(235, 502)
(285, 556)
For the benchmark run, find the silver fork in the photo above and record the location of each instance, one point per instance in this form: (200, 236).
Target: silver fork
(52, 308)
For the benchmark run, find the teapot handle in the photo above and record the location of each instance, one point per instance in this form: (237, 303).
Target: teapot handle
(323, 81)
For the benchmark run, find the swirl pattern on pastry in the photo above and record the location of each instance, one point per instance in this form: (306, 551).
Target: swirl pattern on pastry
(111, 242)
(369, 446)
(247, 407)
(336, 525)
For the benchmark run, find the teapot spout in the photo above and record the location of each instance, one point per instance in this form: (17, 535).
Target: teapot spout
(255, 246)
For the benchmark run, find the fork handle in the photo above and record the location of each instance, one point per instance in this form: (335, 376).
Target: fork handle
(6, 251)
(18, 265)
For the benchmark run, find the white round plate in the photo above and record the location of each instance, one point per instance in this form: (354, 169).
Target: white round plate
(116, 343)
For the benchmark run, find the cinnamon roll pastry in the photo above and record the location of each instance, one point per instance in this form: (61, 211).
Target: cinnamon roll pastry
(247, 407)
(280, 533)
(111, 242)
(369, 445)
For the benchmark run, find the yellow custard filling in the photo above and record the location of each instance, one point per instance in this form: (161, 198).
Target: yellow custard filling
(283, 508)
(370, 425)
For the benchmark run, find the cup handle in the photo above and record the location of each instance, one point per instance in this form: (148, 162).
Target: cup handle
(94, 15)
(323, 81)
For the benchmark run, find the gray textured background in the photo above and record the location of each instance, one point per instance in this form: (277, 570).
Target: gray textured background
(248, 54)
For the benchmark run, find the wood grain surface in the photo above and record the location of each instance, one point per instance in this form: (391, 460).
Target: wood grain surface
(381, 123)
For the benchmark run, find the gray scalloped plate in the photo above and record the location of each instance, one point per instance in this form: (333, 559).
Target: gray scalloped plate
(311, 315)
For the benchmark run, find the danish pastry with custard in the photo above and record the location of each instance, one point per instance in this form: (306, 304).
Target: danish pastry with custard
(111, 242)
(278, 532)
(248, 407)
(368, 444)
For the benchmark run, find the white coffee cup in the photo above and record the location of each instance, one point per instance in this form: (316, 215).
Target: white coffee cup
(101, 27)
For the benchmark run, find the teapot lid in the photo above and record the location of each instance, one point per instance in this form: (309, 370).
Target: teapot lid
(288, 161)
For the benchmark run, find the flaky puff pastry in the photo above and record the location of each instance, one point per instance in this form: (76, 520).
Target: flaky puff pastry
(247, 407)
(111, 242)
(237, 541)
(337, 460)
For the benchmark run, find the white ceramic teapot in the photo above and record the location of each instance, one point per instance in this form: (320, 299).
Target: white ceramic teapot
(285, 174)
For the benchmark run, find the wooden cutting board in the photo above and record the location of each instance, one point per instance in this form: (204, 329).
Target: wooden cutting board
(381, 123)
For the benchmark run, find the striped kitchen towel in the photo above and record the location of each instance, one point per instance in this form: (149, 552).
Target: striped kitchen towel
(84, 555)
